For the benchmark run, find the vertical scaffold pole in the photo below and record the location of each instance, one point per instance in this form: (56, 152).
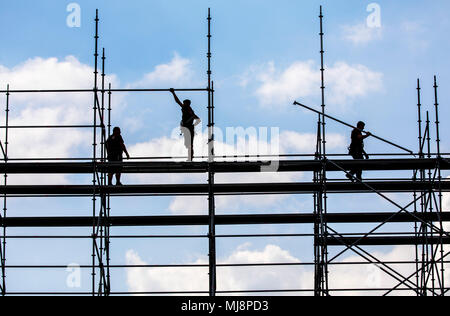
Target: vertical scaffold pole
(102, 117)
(100, 108)
(427, 267)
(108, 205)
(5, 209)
(322, 276)
(103, 217)
(436, 105)
(440, 196)
(322, 88)
(419, 120)
(211, 198)
(109, 108)
(317, 239)
(416, 225)
(94, 155)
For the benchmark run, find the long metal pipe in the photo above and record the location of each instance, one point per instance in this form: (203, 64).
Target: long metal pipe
(91, 90)
(94, 155)
(5, 196)
(354, 127)
(211, 195)
(229, 220)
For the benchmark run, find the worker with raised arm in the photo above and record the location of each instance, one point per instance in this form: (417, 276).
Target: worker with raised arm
(115, 147)
(356, 149)
(188, 122)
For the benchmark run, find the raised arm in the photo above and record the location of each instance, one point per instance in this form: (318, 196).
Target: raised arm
(175, 97)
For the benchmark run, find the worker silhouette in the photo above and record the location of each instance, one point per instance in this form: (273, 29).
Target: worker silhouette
(356, 149)
(115, 147)
(188, 123)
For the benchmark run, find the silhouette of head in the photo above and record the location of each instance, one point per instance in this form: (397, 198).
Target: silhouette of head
(116, 131)
(187, 102)
(361, 125)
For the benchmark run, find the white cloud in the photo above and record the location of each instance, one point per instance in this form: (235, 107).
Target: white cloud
(301, 79)
(341, 276)
(50, 73)
(177, 71)
(229, 278)
(349, 82)
(361, 33)
(50, 109)
(306, 143)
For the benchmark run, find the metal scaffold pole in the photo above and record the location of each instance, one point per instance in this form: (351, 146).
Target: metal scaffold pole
(419, 120)
(322, 271)
(421, 178)
(94, 158)
(211, 197)
(103, 216)
(100, 231)
(5, 196)
(108, 205)
(317, 218)
(439, 202)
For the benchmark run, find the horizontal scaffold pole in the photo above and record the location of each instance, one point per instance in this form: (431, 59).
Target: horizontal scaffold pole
(222, 167)
(100, 90)
(387, 241)
(202, 220)
(226, 189)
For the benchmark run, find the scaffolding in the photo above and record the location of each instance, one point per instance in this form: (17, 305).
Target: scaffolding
(425, 212)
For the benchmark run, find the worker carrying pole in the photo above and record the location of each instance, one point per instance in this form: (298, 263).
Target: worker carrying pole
(354, 127)
(356, 149)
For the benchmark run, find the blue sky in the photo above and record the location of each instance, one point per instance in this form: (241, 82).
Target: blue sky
(265, 55)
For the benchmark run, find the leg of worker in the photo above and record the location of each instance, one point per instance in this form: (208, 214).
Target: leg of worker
(192, 143)
(358, 172)
(188, 142)
(118, 176)
(110, 177)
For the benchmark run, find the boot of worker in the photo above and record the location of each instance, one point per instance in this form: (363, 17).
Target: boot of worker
(190, 155)
(118, 183)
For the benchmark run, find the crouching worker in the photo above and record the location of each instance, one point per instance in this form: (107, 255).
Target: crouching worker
(115, 147)
(356, 149)
(188, 123)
